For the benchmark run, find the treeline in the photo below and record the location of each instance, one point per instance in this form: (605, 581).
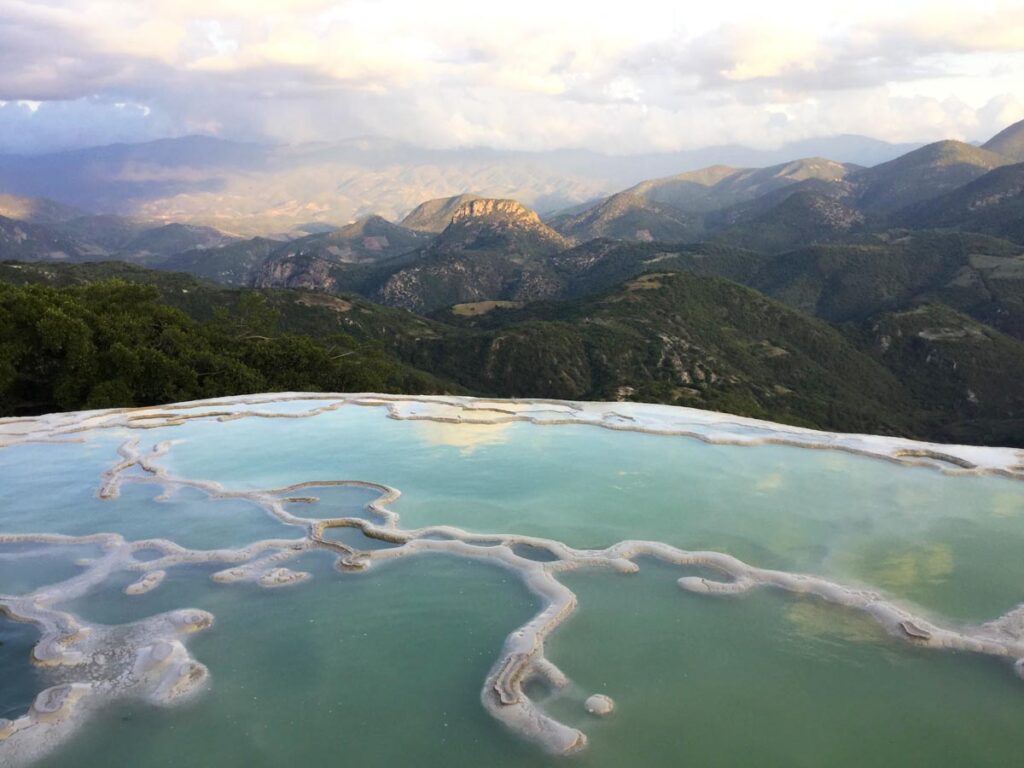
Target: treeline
(115, 343)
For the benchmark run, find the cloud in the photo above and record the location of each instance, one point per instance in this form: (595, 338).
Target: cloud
(622, 77)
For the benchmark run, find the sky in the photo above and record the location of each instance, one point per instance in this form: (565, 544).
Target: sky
(618, 77)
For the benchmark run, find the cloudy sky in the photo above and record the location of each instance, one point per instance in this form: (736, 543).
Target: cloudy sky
(623, 77)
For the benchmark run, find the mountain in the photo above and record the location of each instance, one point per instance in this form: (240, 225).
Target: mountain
(265, 190)
(35, 242)
(921, 174)
(341, 260)
(174, 238)
(434, 215)
(1009, 142)
(51, 231)
(993, 204)
(506, 225)
(233, 265)
(683, 208)
(677, 338)
(842, 282)
(371, 238)
(956, 367)
(105, 234)
(662, 337)
(978, 275)
(702, 203)
(720, 186)
(492, 249)
(159, 336)
(802, 218)
(36, 210)
(628, 216)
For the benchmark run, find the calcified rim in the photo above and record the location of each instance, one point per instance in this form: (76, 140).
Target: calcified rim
(94, 664)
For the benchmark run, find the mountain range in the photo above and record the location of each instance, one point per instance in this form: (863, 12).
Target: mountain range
(885, 297)
(267, 190)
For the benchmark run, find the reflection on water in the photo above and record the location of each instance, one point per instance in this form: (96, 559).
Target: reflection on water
(385, 667)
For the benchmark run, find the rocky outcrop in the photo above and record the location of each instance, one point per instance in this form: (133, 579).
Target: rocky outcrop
(309, 272)
(506, 209)
(434, 215)
(499, 225)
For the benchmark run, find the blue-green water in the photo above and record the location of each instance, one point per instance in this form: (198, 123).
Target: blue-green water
(385, 667)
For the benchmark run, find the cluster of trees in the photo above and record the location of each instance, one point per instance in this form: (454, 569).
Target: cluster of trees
(115, 343)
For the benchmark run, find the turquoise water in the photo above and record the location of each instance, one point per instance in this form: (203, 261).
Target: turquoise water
(21, 681)
(950, 544)
(385, 667)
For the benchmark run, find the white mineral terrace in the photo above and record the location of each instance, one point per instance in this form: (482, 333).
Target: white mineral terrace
(94, 664)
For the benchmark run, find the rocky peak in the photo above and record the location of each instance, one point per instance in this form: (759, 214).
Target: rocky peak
(493, 209)
(498, 225)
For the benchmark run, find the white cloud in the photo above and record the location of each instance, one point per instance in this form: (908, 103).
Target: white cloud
(608, 75)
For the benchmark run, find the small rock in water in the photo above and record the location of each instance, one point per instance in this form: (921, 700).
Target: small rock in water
(599, 705)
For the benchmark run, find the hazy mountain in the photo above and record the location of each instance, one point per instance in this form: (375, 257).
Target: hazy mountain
(628, 216)
(174, 238)
(234, 265)
(254, 189)
(675, 208)
(703, 203)
(1009, 142)
(104, 234)
(35, 242)
(36, 210)
(720, 186)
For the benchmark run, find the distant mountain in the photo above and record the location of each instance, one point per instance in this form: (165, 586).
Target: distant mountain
(978, 275)
(255, 189)
(103, 235)
(719, 186)
(234, 265)
(681, 208)
(174, 238)
(434, 215)
(802, 218)
(993, 204)
(343, 259)
(628, 216)
(36, 210)
(1009, 142)
(504, 225)
(492, 249)
(49, 231)
(35, 242)
(922, 174)
(371, 238)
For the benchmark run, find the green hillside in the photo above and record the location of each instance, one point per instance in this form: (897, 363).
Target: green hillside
(111, 333)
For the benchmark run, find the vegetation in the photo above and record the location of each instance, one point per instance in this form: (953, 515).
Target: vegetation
(92, 335)
(116, 343)
(884, 299)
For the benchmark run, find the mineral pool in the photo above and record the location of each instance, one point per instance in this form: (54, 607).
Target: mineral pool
(378, 581)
